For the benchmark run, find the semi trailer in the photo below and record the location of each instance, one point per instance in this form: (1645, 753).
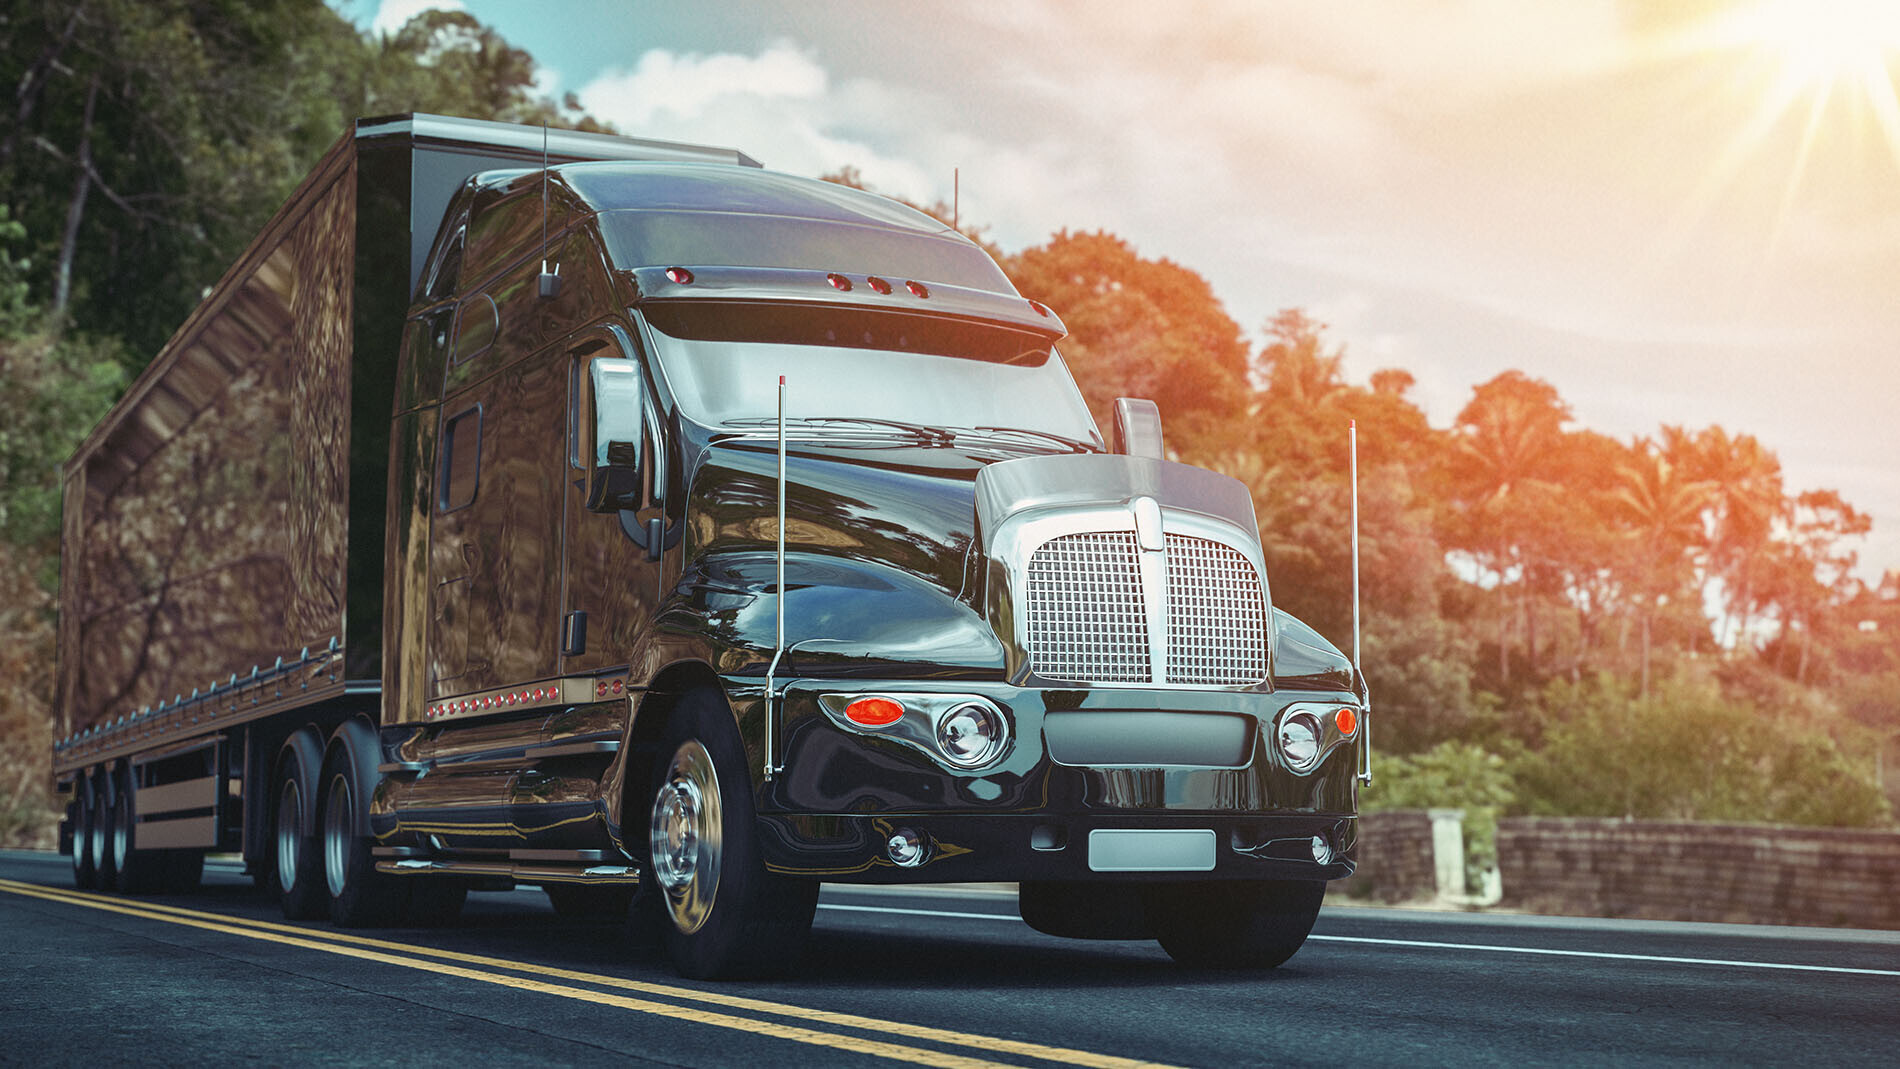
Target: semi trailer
(618, 517)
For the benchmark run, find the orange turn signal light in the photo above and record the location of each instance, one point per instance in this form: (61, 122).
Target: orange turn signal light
(874, 712)
(1346, 720)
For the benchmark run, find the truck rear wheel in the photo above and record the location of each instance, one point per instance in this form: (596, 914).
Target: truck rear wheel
(297, 871)
(85, 816)
(140, 871)
(360, 896)
(728, 917)
(105, 833)
(1234, 924)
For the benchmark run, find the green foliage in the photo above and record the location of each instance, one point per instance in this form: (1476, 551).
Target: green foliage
(1686, 752)
(1451, 775)
(16, 312)
(1141, 328)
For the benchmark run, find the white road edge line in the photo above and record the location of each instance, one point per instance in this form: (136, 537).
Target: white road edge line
(1608, 955)
(1425, 945)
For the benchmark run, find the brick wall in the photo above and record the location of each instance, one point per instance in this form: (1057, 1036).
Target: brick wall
(1747, 873)
(1395, 858)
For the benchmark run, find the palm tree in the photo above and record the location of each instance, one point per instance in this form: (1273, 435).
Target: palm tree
(1746, 479)
(1504, 483)
(1662, 503)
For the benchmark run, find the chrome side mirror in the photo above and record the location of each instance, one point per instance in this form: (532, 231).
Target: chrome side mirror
(619, 398)
(1137, 428)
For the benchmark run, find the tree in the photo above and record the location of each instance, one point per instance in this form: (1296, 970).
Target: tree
(1502, 482)
(1142, 328)
(1661, 506)
(1810, 571)
(1745, 479)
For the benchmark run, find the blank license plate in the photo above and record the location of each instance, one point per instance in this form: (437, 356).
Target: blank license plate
(1151, 850)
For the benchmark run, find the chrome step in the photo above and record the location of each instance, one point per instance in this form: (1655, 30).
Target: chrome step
(519, 871)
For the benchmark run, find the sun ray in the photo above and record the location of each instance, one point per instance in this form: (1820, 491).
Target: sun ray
(1833, 60)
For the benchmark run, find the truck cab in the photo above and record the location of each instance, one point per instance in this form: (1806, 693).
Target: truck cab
(747, 532)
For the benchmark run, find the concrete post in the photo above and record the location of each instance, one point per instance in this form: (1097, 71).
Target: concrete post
(1448, 852)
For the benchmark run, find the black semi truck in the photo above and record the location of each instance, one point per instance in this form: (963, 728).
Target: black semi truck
(622, 518)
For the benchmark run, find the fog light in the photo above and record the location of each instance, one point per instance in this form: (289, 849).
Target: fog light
(970, 734)
(1322, 850)
(906, 848)
(1299, 741)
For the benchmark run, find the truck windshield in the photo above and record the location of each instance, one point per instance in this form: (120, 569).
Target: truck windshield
(723, 359)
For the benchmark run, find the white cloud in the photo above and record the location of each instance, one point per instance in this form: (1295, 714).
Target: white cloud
(666, 86)
(394, 14)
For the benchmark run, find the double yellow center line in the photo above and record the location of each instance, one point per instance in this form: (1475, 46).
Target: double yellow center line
(522, 976)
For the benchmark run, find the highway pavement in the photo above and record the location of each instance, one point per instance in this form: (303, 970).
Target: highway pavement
(928, 976)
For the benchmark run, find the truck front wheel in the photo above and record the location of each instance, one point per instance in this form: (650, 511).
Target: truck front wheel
(728, 916)
(1234, 924)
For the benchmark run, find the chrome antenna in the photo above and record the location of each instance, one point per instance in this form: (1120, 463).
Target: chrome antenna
(1352, 437)
(778, 649)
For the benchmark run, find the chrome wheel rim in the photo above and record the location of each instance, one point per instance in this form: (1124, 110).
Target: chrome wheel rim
(337, 835)
(101, 833)
(687, 836)
(122, 827)
(289, 833)
(84, 820)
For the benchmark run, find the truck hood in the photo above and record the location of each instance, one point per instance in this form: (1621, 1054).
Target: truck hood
(881, 563)
(878, 539)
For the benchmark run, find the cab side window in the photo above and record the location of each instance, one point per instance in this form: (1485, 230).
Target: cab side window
(447, 269)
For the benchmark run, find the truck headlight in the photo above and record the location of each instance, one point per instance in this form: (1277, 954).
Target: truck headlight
(970, 735)
(1299, 741)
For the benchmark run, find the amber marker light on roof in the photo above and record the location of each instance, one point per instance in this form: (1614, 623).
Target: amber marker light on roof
(874, 712)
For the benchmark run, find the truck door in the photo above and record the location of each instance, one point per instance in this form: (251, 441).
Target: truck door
(496, 541)
(613, 583)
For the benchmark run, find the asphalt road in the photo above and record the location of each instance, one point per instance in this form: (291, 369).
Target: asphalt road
(926, 976)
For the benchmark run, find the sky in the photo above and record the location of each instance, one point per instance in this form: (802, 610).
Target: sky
(1680, 213)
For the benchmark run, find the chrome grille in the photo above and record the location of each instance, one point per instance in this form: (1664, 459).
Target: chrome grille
(1216, 617)
(1087, 620)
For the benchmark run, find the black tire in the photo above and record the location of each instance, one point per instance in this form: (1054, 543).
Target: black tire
(105, 832)
(1234, 924)
(296, 859)
(140, 871)
(589, 900)
(84, 816)
(728, 917)
(360, 897)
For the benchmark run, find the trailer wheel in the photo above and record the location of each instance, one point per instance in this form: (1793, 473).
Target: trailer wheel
(297, 871)
(1234, 924)
(140, 871)
(85, 815)
(360, 897)
(589, 900)
(729, 916)
(105, 833)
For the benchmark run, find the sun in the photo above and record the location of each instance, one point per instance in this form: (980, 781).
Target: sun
(1825, 55)
(1824, 43)
(1822, 71)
